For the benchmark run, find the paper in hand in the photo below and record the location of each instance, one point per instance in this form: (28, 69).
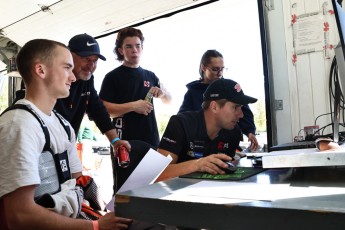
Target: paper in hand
(147, 171)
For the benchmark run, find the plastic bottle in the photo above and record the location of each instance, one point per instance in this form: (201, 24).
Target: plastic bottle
(149, 96)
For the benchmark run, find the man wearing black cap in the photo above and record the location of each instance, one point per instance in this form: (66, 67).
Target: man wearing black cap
(202, 141)
(83, 97)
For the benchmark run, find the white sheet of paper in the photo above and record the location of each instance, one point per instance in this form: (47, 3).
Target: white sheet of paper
(147, 171)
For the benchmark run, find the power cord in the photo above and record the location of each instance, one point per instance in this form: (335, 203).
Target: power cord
(299, 132)
(335, 93)
(333, 84)
(321, 116)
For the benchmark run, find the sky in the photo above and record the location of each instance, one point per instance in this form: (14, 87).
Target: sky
(173, 48)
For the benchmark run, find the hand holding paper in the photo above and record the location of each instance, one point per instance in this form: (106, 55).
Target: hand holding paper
(147, 171)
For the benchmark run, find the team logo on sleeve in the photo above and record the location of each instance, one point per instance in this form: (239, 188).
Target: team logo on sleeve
(147, 84)
(169, 140)
(195, 154)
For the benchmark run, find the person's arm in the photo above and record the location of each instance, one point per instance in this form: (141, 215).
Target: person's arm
(22, 212)
(99, 114)
(97, 111)
(76, 175)
(163, 94)
(140, 106)
(210, 164)
(253, 142)
(248, 127)
(107, 95)
(112, 136)
(246, 123)
(80, 133)
(118, 110)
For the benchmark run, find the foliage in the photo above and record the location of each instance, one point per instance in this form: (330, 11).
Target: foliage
(260, 116)
(162, 121)
(4, 98)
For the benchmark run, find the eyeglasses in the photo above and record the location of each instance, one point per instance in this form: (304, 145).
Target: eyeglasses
(217, 70)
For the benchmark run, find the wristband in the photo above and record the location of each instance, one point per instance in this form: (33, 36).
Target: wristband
(95, 225)
(114, 140)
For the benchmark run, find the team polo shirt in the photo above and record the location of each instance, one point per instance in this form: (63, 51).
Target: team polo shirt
(186, 136)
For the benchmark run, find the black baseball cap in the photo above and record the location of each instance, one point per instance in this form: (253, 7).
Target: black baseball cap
(85, 45)
(229, 90)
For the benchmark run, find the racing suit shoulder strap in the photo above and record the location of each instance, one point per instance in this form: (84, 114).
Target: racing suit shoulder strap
(33, 112)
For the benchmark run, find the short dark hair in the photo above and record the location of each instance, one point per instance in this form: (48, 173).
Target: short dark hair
(206, 104)
(37, 49)
(124, 33)
(206, 59)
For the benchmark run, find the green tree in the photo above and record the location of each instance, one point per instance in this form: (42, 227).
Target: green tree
(162, 121)
(260, 116)
(4, 97)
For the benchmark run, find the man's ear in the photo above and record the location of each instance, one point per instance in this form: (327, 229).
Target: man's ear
(203, 68)
(214, 106)
(40, 70)
(120, 50)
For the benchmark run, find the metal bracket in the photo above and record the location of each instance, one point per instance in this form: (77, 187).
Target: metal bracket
(269, 4)
(279, 105)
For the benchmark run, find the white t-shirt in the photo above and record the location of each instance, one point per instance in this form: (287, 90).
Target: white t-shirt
(21, 143)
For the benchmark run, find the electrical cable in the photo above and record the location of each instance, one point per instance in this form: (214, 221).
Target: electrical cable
(334, 87)
(299, 132)
(321, 116)
(323, 129)
(333, 81)
(333, 74)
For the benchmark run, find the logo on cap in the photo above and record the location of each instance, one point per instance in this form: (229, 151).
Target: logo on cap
(238, 88)
(214, 95)
(90, 44)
